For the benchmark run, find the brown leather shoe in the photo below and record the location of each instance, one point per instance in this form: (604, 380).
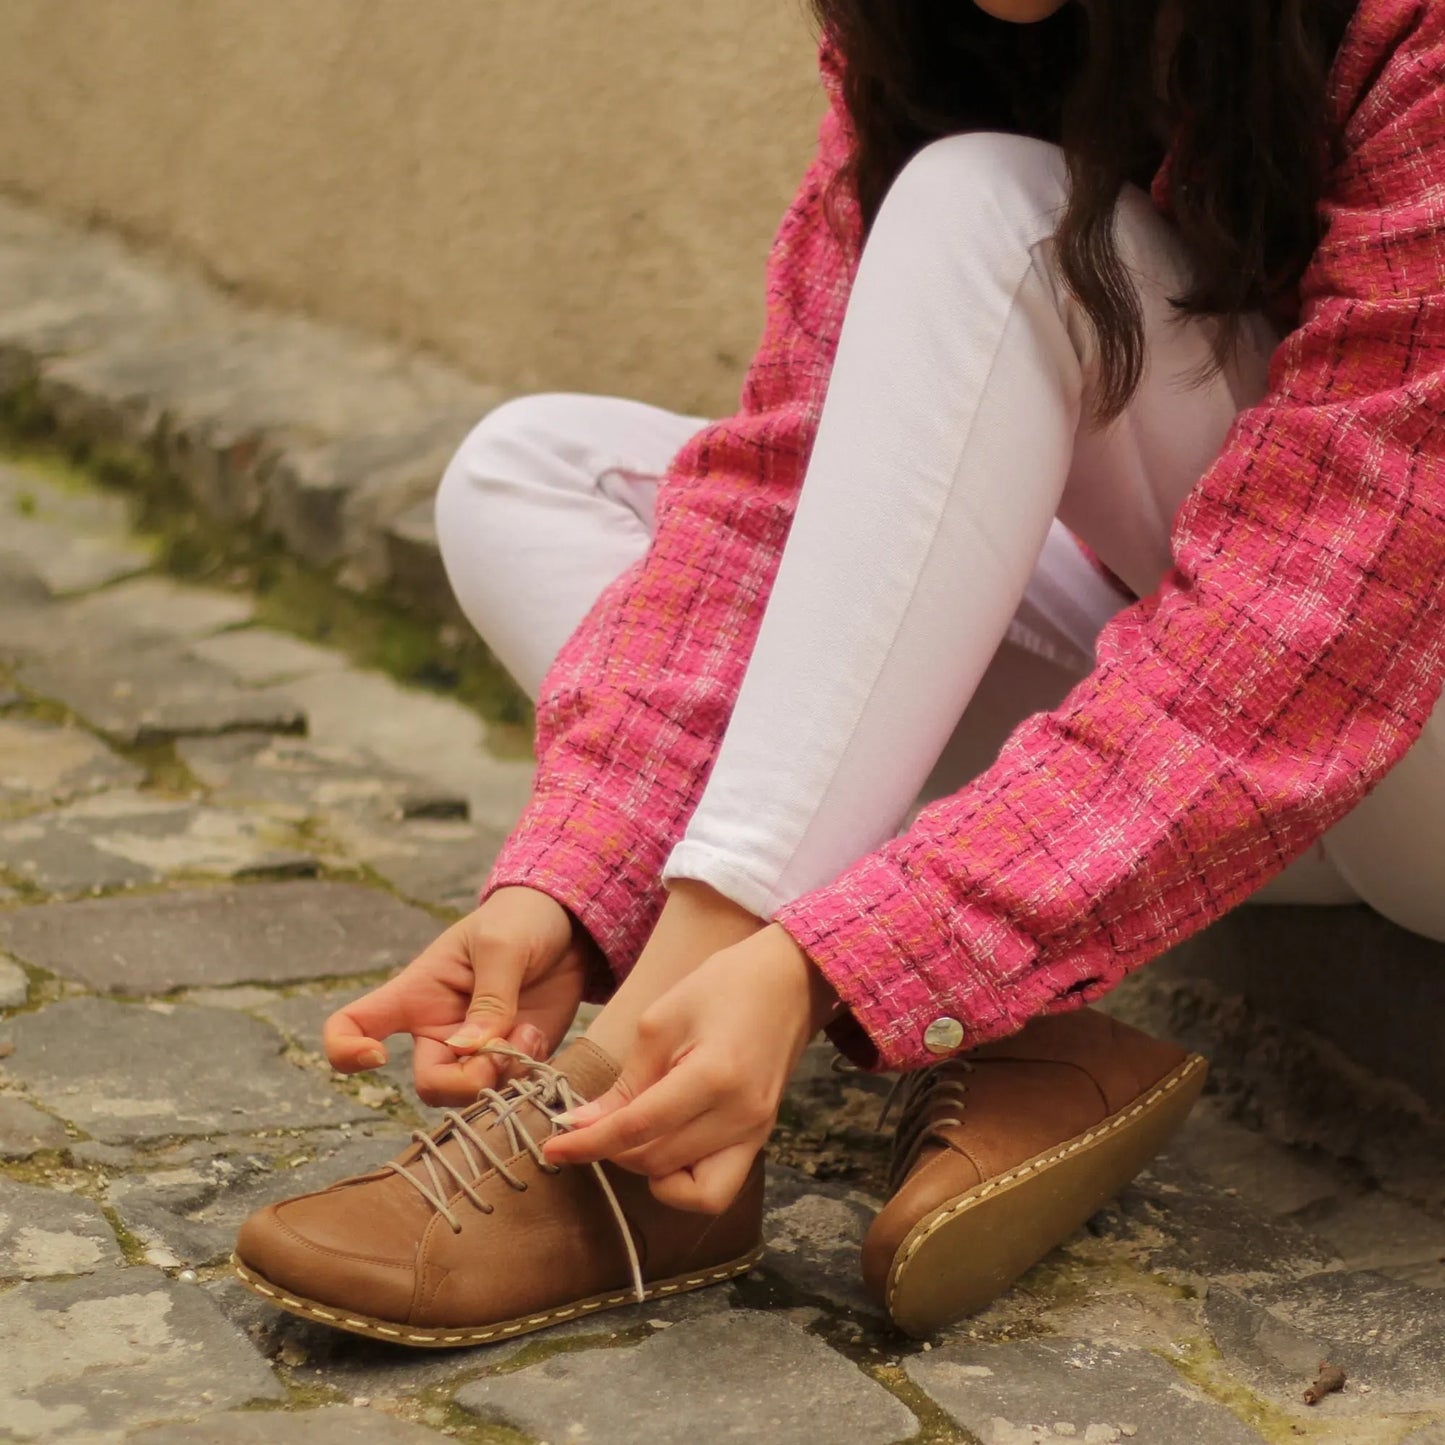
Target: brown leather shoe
(471, 1236)
(1003, 1153)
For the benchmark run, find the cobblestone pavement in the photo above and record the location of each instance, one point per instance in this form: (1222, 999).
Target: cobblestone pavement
(210, 831)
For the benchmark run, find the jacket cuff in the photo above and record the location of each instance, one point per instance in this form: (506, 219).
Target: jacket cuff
(602, 872)
(919, 984)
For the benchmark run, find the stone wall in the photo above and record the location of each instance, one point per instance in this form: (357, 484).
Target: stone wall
(549, 193)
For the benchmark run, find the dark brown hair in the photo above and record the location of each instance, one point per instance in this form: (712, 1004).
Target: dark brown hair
(1239, 86)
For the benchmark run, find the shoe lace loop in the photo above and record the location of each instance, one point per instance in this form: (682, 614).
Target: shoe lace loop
(926, 1099)
(550, 1091)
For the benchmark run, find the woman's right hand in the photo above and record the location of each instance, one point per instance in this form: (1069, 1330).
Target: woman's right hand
(514, 969)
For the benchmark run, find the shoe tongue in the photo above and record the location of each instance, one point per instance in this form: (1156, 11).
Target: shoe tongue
(590, 1070)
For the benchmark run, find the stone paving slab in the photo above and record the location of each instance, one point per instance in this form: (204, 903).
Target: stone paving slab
(127, 1072)
(332, 503)
(814, 1237)
(69, 539)
(301, 1017)
(1383, 1333)
(14, 985)
(1061, 1389)
(764, 1379)
(151, 693)
(45, 1233)
(412, 732)
(144, 609)
(66, 287)
(1374, 1231)
(79, 1358)
(270, 416)
(232, 1148)
(126, 838)
(159, 607)
(337, 1425)
(433, 861)
(303, 778)
(23, 604)
(1180, 1225)
(1365, 1227)
(28, 490)
(323, 430)
(25, 1131)
(263, 933)
(42, 763)
(1432, 1434)
(258, 656)
(64, 563)
(410, 831)
(1246, 1164)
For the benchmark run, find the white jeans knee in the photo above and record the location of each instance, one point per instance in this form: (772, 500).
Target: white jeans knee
(547, 501)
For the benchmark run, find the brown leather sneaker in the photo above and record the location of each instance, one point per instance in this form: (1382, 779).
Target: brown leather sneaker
(1003, 1153)
(471, 1236)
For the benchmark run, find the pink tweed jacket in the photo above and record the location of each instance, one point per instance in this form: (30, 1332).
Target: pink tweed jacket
(1288, 662)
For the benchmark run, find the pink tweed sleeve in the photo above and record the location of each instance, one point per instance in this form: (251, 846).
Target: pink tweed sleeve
(631, 715)
(1288, 662)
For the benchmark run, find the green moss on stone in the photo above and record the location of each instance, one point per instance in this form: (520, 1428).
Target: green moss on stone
(936, 1425)
(40, 1168)
(1199, 1361)
(23, 416)
(462, 1425)
(542, 1348)
(130, 1246)
(165, 773)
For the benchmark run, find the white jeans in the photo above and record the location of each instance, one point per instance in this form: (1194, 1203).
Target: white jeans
(930, 595)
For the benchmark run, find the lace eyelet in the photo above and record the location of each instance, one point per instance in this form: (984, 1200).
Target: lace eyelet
(547, 1089)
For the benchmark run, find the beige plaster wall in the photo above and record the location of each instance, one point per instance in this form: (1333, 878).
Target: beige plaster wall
(554, 193)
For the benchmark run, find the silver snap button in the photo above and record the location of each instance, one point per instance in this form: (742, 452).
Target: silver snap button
(943, 1036)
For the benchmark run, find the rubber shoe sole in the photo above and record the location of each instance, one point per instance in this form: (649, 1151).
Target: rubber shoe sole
(453, 1338)
(967, 1252)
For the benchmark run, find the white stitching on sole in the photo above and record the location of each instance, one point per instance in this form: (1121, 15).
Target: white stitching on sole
(478, 1337)
(977, 1196)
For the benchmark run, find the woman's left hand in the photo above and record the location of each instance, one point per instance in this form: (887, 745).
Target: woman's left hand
(699, 1092)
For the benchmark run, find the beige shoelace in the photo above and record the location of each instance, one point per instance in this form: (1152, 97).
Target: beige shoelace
(927, 1099)
(549, 1090)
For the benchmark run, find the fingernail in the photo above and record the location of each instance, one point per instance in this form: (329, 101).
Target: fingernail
(567, 1121)
(464, 1039)
(372, 1059)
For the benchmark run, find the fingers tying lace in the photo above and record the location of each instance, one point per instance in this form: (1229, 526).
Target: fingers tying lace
(547, 1090)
